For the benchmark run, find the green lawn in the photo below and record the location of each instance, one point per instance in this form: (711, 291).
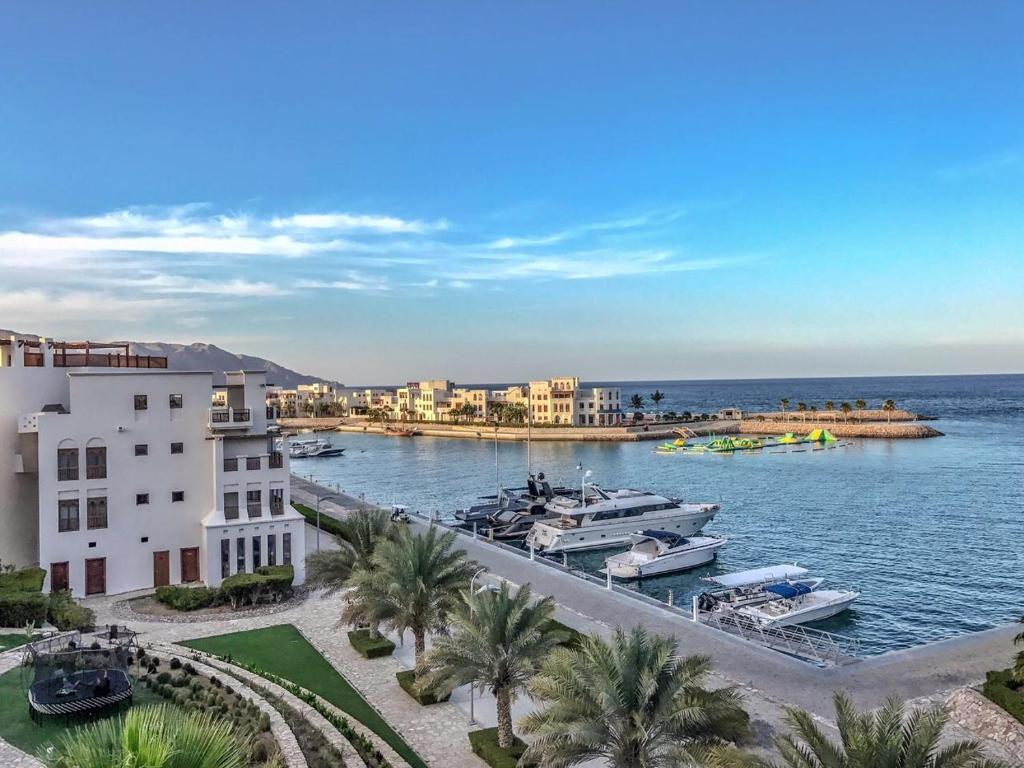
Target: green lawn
(283, 651)
(17, 727)
(12, 641)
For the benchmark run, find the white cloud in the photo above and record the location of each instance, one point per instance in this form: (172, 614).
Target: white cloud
(179, 284)
(38, 308)
(347, 222)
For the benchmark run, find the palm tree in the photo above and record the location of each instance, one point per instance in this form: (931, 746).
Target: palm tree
(631, 701)
(784, 402)
(656, 397)
(860, 405)
(814, 412)
(831, 407)
(845, 408)
(886, 738)
(802, 408)
(413, 583)
(889, 406)
(636, 402)
(499, 641)
(155, 737)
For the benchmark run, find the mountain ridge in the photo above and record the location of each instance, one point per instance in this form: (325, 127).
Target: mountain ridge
(204, 356)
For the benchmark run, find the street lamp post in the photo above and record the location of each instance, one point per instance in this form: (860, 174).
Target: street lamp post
(472, 684)
(497, 474)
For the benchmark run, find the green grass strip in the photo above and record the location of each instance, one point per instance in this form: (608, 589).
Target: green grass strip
(282, 650)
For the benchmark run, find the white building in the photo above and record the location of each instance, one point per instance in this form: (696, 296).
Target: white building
(563, 401)
(121, 476)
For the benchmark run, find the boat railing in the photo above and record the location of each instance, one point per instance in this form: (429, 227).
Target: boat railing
(816, 645)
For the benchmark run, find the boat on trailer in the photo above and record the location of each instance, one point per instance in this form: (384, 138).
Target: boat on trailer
(658, 552)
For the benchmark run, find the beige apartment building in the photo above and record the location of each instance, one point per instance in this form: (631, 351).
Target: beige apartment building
(562, 400)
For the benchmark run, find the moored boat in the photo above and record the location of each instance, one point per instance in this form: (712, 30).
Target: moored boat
(795, 603)
(657, 552)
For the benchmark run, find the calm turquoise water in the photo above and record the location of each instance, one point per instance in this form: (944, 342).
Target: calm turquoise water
(929, 531)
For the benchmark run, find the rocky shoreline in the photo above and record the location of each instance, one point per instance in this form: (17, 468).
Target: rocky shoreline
(884, 430)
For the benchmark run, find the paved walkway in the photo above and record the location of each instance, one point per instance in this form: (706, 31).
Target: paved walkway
(774, 678)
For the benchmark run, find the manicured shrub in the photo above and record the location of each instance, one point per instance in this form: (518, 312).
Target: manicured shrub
(175, 663)
(271, 583)
(163, 678)
(65, 614)
(1001, 688)
(182, 598)
(407, 680)
(24, 580)
(20, 608)
(370, 647)
(485, 746)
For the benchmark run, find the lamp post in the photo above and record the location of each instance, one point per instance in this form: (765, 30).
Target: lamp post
(320, 498)
(472, 684)
(497, 474)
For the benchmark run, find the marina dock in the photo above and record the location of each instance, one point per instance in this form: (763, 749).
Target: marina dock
(922, 671)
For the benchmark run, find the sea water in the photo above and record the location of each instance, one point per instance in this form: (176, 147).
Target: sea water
(929, 531)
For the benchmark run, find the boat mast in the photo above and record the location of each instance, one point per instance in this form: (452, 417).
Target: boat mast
(529, 432)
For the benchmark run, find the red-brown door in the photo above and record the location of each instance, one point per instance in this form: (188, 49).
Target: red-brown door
(59, 577)
(96, 576)
(161, 568)
(190, 564)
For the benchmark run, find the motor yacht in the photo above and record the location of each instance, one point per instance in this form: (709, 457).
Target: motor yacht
(514, 506)
(597, 518)
(795, 603)
(313, 448)
(656, 552)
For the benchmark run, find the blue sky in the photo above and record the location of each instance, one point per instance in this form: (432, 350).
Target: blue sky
(378, 192)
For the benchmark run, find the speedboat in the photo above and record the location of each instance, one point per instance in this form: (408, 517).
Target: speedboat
(514, 506)
(749, 587)
(598, 518)
(318, 447)
(657, 552)
(795, 603)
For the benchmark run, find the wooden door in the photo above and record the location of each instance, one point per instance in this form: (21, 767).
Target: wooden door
(161, 568)
(96, 576)
(59, 577)
(190, 564)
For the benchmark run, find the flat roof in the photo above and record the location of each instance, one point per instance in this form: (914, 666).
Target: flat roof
(137, 372)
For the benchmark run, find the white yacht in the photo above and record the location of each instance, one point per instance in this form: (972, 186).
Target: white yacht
(309, 448)
(657, 552)
(598, 518)
(795, 603)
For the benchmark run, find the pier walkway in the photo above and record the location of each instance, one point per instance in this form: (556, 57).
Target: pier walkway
(921, 672)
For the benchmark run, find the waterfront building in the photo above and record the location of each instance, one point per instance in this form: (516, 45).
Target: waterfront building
(122, 475)
(562, 400)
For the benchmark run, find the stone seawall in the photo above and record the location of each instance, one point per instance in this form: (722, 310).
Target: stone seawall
(859, 429)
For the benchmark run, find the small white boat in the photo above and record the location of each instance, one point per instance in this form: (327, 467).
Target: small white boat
(318, 447)
(657, 552)
(796, 603)
(749, 587)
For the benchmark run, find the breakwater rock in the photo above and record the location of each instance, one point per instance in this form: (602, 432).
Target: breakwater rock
(884, 430)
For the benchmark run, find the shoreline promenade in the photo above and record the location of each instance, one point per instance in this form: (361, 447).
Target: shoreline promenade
(924, 671)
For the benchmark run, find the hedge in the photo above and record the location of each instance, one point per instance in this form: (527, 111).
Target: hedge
(65, 614)
(370, 647)
(187, 598)
(20, 608)
(407, 680)
(25, 580)
(270, 583)
(485, 746)
(1002, 689)
(327, 523)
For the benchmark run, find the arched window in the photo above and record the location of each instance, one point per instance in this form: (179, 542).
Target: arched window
(95, 459)
(67, 460)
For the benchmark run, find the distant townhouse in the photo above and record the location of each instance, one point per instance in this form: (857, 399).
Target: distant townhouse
(562, 400)
(122, 476)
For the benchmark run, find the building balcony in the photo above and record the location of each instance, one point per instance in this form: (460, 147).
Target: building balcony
(230, 418)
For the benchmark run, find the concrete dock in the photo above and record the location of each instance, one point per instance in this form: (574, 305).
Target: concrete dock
(920, 672)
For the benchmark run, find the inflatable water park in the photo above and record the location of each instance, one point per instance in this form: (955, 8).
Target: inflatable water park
(821, 438)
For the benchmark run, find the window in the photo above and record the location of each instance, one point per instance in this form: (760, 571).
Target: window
(67, 463)
(231, 505)
(271, 550)
(175, 401)
(177, 447)
(96, 512)
(67, 515)
(177, 495)
(286, 549)
(240, 554)
(255, 552)
(254, 503)
(252, 462)
(141, 498)
(225, 558)
(231, 465)
(141, 449)
(141, 402)
(277, 501)
(95, 463)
